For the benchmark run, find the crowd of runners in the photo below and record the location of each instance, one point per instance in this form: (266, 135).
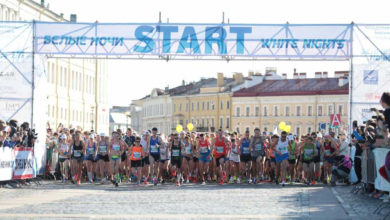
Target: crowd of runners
(190, 157)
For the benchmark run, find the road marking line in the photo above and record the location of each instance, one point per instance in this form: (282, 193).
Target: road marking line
(347, 208)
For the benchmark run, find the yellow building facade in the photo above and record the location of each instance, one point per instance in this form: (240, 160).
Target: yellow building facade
(303, 107)
(209, 108)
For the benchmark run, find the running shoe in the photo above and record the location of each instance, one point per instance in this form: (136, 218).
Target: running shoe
(203, 183)
(155, 181)
(139, 184)
(78, 182)
(313, 182)
(235, 178)
(238, 180)
(308, 183)
(221, 182)
(188, 181)
(259, 180)
(283, 183)
(177, 183)
(231, 180)
(116, 184)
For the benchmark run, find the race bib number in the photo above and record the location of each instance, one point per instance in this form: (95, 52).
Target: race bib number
(175, 153)
(258, 147)
(220, 150)
(136, 155)
(188, 150)
(203, 150)
(91, 150)
(116, 147)
(327, 152)
(245, 150)
(153, 149)
(103, 149)
(308, 153)
(77, 153)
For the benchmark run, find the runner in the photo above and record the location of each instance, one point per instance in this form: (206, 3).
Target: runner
(115, 151)
(154, 152)
(103, 159)
(234, 160)
(219, 148)
(175, 148)
(145, 160)
(91, 157)
(164, 162)
(63, 154)
(245, 158)
(292, 153)
(257, 153)
(204, 157)
(309, 151)
(129, 139)
(136, 158)
(317, 157)
(187, 163)
(195, 156)
(330, 151)
(78, 148)
(281, 156)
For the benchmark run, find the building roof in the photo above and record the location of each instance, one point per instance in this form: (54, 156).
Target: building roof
(286, 87)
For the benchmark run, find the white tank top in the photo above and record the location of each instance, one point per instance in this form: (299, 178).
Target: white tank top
(282, 146)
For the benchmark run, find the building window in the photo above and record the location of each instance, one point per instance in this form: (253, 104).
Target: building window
(202, 105)
(265, 129)
(247, 111)
(192, 106)
(340, 109)
(197, 106)
(180, 107)
(221, 123)
(330, 110)
(221, 104)
(298, 131)
(319, 110)
(174, 107)
(227, 104)
(212, 105)
(238, 130)
(298, 110)
(246, 129)
(309, 110)
(202, 122)
(309, 130)
(207, 122)
(238, 111)
(275, 111)
(265, 110)
(287, 110)
(227, 122)
(257, 111)
(212, 122)
(208, 105)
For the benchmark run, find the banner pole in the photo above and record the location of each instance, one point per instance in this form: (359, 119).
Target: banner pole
(33, 74)
(351, 81)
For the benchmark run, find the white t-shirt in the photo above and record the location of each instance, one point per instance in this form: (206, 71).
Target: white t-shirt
(282, 146)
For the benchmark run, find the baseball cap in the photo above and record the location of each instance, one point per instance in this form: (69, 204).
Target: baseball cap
(63, 136)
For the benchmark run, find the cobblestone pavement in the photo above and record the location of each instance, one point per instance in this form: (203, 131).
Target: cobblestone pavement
(54, 200)
(360, 204)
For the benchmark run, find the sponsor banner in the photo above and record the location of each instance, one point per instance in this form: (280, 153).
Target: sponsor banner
(247, 40)
(6, 163)
(335, 120)
(380, 156)
(24, 167)
(371, 69)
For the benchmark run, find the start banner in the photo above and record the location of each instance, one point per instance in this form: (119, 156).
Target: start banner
(24, 163)
(322, 41)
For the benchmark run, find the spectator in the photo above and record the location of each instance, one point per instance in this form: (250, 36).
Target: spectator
(385, 102)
